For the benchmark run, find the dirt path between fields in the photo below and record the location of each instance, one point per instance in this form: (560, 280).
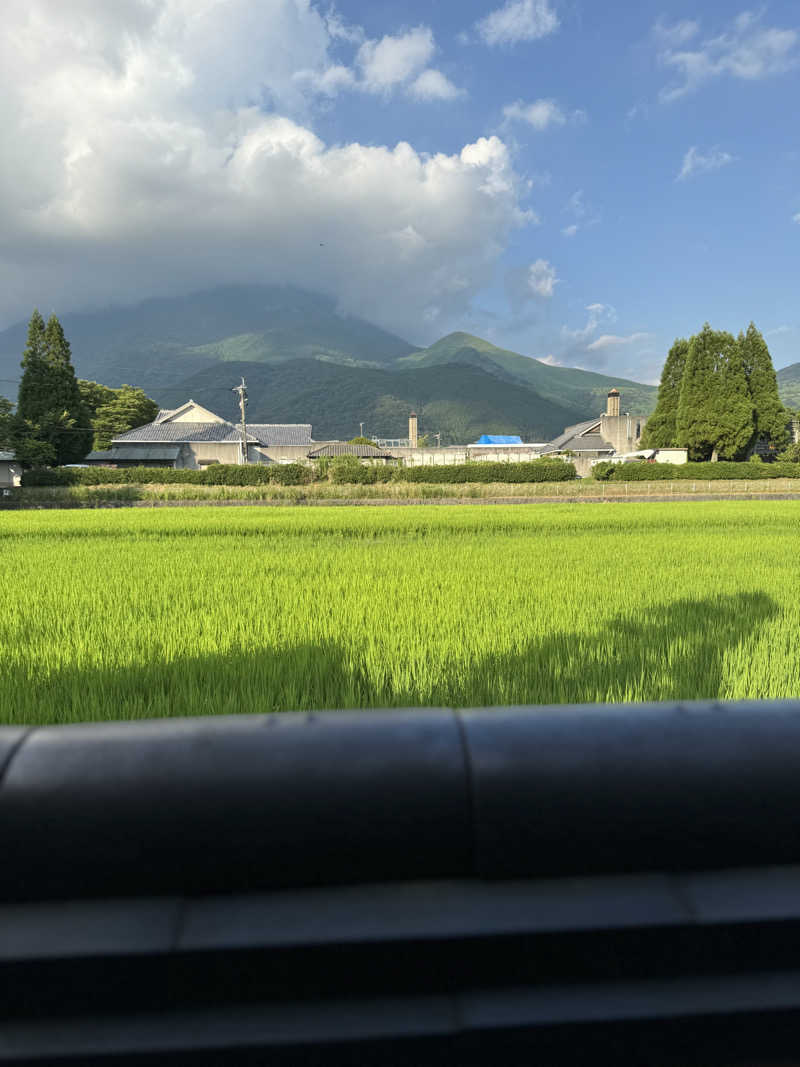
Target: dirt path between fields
(390, 501)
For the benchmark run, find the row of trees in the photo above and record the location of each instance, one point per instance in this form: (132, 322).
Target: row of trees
(59, 418)
(718, 397)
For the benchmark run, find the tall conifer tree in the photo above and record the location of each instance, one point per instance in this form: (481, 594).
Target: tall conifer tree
(695, 427)
(660, 430)
(731, 401)
(771, 418)
(52, 421)
(6, 423)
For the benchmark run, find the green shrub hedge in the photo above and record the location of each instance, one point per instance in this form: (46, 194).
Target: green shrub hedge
(538, 470)
(216, 474)
(701, 472)
(344, 470)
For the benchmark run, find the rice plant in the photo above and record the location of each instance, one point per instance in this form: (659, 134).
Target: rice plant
(147, 613)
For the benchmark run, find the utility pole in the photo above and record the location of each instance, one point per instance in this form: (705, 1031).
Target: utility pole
(438, 437)
(361, 429)
(241, 390)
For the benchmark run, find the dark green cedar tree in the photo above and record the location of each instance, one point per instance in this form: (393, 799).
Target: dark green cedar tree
(771, 417)
(52, 423)
(731, 401)
(695, 423)
(6, 423)
(660, 430)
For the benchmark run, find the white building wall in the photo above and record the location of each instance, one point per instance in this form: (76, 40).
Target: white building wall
(10, 474)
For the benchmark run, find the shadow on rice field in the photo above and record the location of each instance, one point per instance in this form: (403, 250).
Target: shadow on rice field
(679, 653)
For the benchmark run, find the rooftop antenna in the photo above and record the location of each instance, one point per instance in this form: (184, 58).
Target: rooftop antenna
(241, 390)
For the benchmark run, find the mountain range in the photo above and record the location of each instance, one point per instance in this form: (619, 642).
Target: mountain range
(305, 362)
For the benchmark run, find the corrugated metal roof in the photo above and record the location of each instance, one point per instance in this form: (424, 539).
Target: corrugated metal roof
(343, 449)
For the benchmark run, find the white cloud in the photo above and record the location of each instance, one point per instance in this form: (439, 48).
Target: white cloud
(433, 85)
(796, 218)
(394, 60)
(676, 34)
(597, 313)
(584, 215)
(542, 279)
(530, 285)
(550, 360)
(695, 162)
(340, 30)
(540, 114)
(748, 50)
(385, 66)
(779, 330)
(330, 81)
(610, 340)
(163, 145)
(518, 20)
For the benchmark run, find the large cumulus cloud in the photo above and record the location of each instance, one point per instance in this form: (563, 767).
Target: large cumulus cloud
(156, 146)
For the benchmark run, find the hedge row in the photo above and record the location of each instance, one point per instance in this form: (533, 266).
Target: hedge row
(216, 474)
(701, 472)
(352, 472)
(537, 470)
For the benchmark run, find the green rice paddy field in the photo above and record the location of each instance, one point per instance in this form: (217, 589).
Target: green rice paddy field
(128, 614)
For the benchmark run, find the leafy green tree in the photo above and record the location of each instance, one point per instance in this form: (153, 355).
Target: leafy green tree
(660, 430)
(95, 396)
(51, 424)
(771, 417)
(127, 408)
(362, 441)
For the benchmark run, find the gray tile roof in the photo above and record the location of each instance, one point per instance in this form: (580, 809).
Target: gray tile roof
(274, 434)
(281, 433)
(588, 442)
(171, 432)
(344, 449)
(578, 439)
(570, 432)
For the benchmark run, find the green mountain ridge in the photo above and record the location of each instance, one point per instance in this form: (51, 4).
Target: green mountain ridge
(584, 390)
(305, 362)
(789, 385)
(457, 401)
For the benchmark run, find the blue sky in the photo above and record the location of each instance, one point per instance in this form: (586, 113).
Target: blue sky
(665, 252)
(583, 182)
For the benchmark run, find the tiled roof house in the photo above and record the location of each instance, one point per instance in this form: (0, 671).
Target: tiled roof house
(193, 437)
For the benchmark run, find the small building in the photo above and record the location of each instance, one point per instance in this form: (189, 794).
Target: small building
(10, 472)
(192, 437)
(610, 435)
(367, 454)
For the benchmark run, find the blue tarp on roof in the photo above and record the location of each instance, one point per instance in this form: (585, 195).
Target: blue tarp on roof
(498, 439)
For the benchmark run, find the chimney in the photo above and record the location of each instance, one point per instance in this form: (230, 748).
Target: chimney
(612, 407)
(412, 429)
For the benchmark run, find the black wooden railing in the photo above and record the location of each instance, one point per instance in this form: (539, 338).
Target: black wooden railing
(526, 885)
